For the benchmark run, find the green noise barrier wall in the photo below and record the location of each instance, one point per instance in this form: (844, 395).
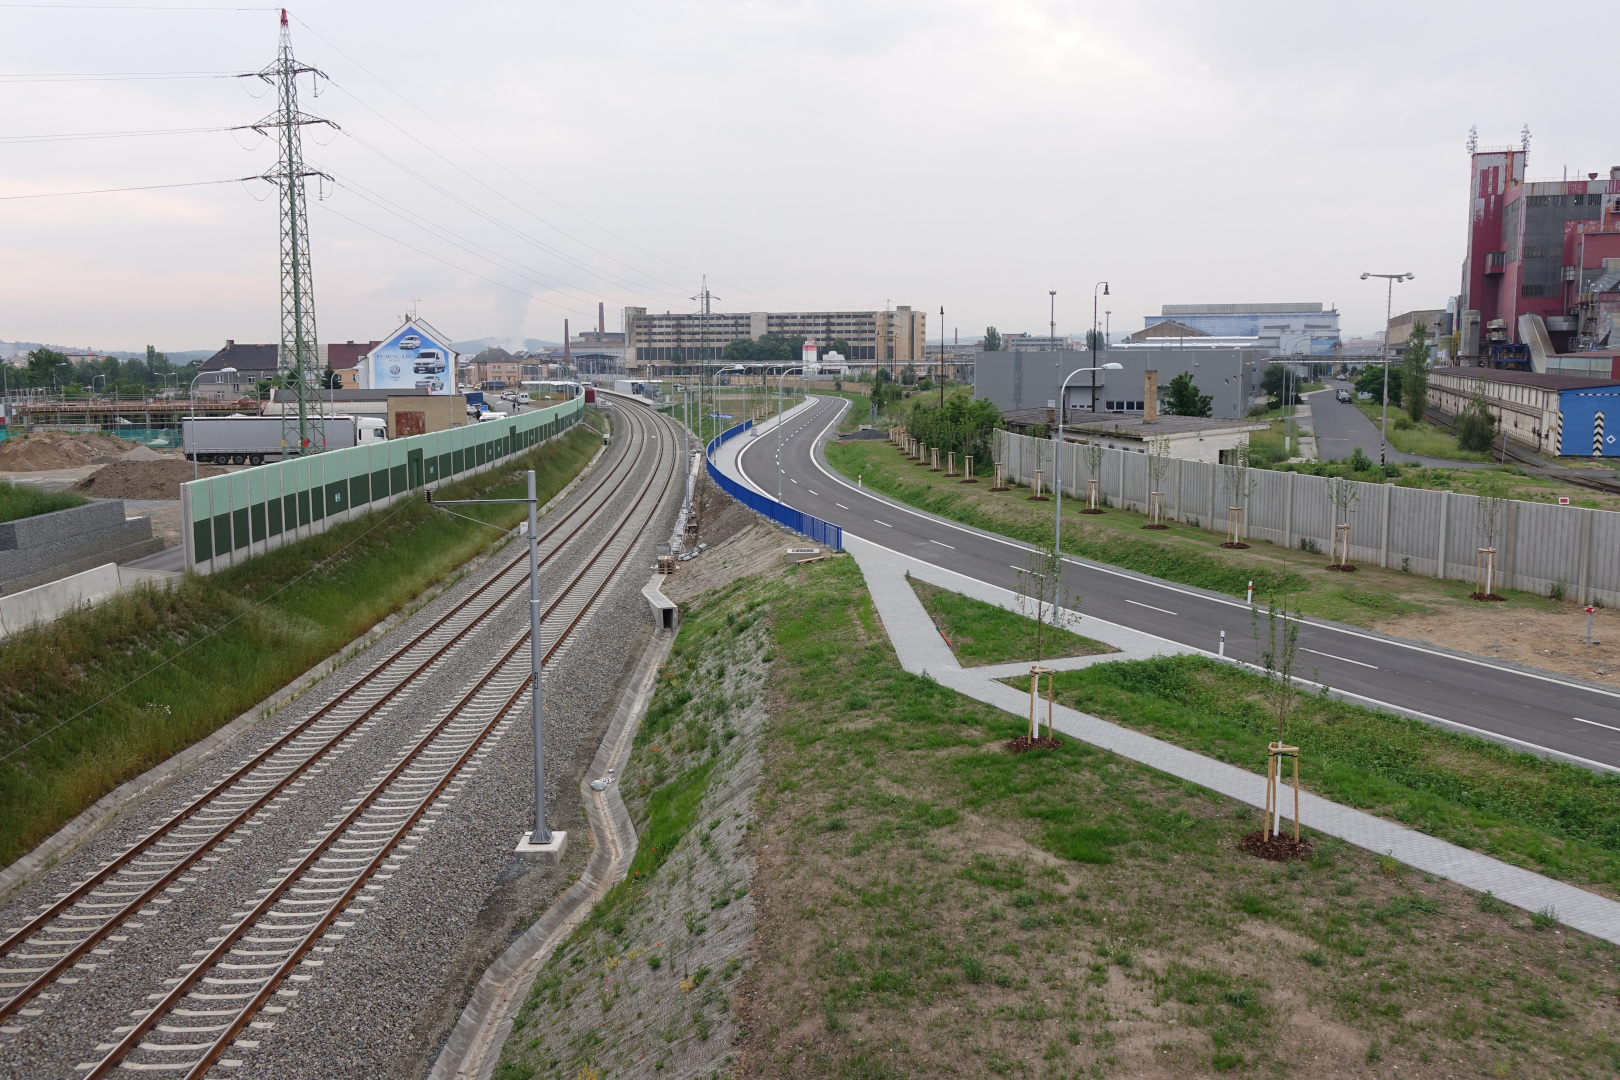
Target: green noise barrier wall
(239, 515)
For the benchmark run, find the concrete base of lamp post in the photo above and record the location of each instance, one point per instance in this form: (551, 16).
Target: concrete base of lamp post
(546, 854)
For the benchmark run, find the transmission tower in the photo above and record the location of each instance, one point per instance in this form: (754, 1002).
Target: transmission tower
(299, 367)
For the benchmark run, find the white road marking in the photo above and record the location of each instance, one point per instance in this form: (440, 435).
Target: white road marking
(840, 506)
(1594, 723)
(1150, 607)
(885, 524)
(1346, 659)
(812, 492)
(791, 478)
(942, 544)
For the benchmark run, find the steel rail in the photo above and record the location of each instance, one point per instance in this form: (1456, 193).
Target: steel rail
(132, 1038)
(81, 948)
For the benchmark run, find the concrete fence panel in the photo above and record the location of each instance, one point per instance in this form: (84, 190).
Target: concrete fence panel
(1540, 547)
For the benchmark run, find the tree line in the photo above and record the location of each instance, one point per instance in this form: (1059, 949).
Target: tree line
(134, 378)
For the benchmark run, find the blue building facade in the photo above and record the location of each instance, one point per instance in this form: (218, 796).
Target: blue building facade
(1590, 421)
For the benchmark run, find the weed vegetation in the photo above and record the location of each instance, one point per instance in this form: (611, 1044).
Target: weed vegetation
(104, 694)
(981, 633)
(929, 905)
(26, 500)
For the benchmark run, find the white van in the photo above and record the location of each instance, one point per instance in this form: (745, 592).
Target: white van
(490, 414)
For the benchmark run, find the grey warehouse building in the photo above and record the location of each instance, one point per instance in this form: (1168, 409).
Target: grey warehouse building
(1015, 381)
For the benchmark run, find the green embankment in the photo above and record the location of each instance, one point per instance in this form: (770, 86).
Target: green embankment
(102, 695)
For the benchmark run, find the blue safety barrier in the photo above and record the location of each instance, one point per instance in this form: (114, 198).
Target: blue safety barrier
(822, 532)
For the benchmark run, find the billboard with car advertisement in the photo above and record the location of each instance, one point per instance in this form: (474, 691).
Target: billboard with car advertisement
(414, 357)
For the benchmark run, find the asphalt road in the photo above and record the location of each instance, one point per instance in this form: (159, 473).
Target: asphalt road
(1341, 427)
(1538, 709)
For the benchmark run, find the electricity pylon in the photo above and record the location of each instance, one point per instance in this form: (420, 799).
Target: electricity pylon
(299, 367)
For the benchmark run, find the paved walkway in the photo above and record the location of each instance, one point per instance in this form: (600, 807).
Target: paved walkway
(922, 651)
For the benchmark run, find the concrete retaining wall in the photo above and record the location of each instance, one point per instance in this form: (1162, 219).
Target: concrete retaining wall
(47, 603)
(1433, 533)
(42, 548)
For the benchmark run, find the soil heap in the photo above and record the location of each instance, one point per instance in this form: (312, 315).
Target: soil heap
(57, 450)
(159, 479)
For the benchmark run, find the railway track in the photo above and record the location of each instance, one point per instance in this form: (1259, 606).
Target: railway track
(1529, 460)
(59, 937)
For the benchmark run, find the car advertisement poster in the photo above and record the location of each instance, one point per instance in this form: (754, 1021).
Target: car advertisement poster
(412, 359)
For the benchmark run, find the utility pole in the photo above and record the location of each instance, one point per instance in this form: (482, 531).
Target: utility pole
(1389, 309)
(299, 362)
(941, 355)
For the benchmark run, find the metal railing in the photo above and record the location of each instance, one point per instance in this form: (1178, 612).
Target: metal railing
(822, 532)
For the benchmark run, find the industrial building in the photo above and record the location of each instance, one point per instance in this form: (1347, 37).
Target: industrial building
(1555, 414)
(1541, 280)
(1286, 329)
(1018, 381)
(876, 338)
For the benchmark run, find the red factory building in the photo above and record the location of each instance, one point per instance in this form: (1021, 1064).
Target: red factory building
(1547, 250)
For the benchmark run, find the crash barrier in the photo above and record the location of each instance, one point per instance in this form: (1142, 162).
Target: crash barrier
(1543, 547)
(822, 532)
(242, 514)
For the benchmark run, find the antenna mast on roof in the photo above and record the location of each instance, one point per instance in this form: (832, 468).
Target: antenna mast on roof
(299, 360)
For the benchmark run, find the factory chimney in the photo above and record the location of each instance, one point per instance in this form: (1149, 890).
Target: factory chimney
(567, 356)
(1150, 396)
(601, 319)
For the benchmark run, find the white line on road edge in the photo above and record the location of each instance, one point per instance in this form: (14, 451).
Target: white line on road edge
(1345, 659)
(1150, 607)
(1228, 602)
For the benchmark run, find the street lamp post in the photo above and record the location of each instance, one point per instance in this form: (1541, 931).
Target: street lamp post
(1051, 327)
(1389, 302)
(1104, 286)
(1057, 528)
(200, 374)
(780, 379)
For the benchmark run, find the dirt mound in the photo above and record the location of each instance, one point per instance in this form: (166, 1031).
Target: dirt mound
(142, 453)
(160, 479)
(57, 450)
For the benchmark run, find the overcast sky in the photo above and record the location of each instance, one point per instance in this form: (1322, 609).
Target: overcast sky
(503, 166)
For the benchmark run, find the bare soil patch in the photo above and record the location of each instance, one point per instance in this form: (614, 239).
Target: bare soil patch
(138, 479)
(1549, 639)
(57, 450)
(1279, 848)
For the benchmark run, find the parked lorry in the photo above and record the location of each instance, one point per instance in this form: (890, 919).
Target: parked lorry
(253, 440)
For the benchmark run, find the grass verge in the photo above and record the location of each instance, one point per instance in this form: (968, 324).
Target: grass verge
(175, 666)
(1181, 553)
(1552, 818)
(980, 633)
(25, 500)
(932, 906)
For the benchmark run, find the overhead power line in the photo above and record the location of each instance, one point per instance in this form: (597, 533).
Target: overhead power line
(112, 76)
(13, 140)
(141, 187)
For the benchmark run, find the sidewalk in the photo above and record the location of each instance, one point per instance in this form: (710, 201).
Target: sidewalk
(922, 651)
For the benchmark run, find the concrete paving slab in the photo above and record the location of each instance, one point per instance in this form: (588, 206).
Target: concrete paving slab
(921, 651)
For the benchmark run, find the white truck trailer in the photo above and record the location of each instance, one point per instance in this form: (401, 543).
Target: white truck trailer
(253, 440)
